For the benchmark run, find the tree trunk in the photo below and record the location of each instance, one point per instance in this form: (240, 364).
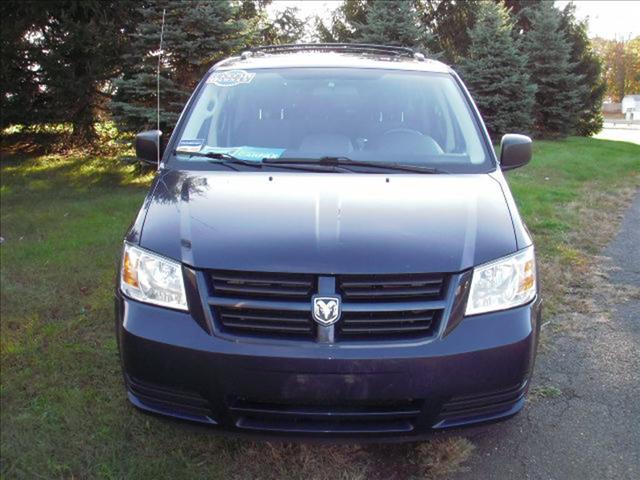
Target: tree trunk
(83, 122)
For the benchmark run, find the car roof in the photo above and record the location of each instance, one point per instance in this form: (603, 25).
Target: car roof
(308, 57)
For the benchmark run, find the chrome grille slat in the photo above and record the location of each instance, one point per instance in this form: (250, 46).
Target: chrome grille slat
(267, 322)
(374, 288)
(258, 318)
(425, 318)
(265, 290)
(405, 324)
(262, 285)
(396, 292)
(266, 328)
(366, 283)
(245, 279)
(380, 330)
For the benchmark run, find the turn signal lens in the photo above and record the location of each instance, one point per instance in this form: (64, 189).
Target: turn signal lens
(129, 269)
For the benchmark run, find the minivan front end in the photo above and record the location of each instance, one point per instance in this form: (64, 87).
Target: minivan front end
(329, 251)
(388, 368)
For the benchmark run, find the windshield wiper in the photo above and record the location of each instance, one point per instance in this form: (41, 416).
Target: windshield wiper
(227, 159)
(348, 162)
(223, 158)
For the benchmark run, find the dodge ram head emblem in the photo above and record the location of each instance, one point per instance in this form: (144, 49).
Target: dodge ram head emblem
(326, 310)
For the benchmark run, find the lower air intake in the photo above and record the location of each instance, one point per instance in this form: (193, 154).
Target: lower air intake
(391, 417)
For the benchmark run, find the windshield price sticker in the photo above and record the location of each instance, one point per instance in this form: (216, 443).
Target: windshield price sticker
(190, 145)
(230, 78)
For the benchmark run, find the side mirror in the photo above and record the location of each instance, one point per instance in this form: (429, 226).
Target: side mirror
(148, 144)
(515, 151)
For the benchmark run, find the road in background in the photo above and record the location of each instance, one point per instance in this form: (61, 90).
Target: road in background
(620, 132)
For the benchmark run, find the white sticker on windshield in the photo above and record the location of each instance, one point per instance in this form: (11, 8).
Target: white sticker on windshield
(230, 78)
(190, 145)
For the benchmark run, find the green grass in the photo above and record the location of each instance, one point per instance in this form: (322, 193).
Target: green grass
(63, 409)
(569, 197)
(568, 171)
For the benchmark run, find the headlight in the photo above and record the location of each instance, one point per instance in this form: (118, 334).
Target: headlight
(151, 278)
(504, 283)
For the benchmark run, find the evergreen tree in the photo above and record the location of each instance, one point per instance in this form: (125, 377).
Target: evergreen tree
(380, 22)
(589, 66)
(19, 92)
(450, 23)
(343, 21)
(196, 35)
(286, 27)
(391, 22)
(496, 73)
(559, 90)
(78, 54)
(517, 8)
(60, 56)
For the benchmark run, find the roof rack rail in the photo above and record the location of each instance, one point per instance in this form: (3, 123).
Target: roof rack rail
(339, 47)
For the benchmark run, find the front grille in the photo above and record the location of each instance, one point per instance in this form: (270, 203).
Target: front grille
(382, 288)
(385, 325)
(375, 307)
(482, 404)
(169, 399)
(266, 322)
(260, 285)
(356, 418)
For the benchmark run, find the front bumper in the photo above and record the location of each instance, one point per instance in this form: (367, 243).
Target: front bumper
(477, 373)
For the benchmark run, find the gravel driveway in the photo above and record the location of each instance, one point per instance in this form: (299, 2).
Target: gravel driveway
(588, 426)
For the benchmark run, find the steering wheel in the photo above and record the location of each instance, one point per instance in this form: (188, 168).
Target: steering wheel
(395, 131)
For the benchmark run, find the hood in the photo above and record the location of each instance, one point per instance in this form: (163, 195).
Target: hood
(328, 223)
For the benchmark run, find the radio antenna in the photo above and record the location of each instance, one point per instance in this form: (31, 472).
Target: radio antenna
(164, 11)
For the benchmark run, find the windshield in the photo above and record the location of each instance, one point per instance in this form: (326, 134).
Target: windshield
(386, 116)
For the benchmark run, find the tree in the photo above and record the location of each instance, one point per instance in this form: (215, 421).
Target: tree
(621, 60)
(450, 23)
(343, 21)
(496, 73)
(381, 22)
(196, 35)
(19, 92)
(286, 27)
(632, 77)
(589, 67)
(558, 95)
(58, 58)
(79, 48)
(391, 22)
(518, 10)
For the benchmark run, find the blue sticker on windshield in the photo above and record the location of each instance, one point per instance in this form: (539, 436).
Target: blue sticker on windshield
(254, 154)
(257, 153)
(190, 145)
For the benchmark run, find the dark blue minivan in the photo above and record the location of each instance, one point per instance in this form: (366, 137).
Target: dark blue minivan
(329, 249)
